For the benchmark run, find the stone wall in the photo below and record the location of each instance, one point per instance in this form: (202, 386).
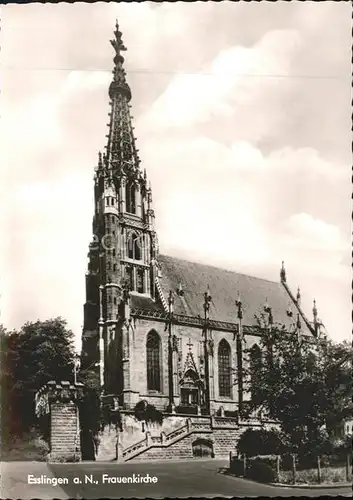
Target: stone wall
(107, 444)
(225, 440)
(64, 441)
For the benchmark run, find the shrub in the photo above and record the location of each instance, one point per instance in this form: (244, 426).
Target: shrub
(260, 471)
(43, 448)
(286, 462)
(237, 467)
(270, 460)
(65, 458)
(309, 461)
(145, 411)
(255, 442)
(307, 476)
(310, 476)
(333, 474)
(285, 477)
(30, 446)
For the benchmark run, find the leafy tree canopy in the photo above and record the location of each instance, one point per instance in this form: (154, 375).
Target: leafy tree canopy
(40, 351)
(303, 383)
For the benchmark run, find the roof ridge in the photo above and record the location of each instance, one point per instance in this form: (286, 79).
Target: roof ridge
(218, 267)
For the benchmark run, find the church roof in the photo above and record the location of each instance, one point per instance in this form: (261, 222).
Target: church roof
(224, 288)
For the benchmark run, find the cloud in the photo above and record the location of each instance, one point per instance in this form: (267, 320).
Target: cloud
(316, 234)
(78, 81)
(226, 84)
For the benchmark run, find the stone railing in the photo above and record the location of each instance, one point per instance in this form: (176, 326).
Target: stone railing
(184, 429)
(224, 422)
(130, 450)
(200, 426)
(165, 439)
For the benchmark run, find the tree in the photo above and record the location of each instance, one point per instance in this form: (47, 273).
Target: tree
(303, 383)
(40, 351)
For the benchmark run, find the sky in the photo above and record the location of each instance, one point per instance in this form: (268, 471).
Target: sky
(242, 114)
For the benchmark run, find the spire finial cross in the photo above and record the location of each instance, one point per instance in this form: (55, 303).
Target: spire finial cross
(190, 344)
(117, 43)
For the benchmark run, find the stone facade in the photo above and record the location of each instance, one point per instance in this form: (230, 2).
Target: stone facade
(130, 373)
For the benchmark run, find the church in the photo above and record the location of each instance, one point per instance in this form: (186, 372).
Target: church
(175, 333)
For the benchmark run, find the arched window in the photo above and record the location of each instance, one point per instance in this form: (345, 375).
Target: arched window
(140, 280)
(224, 369)
(137, 248)
(134, 247)
(255, 365)
(130, 277)
(130, 198)
(153, 348)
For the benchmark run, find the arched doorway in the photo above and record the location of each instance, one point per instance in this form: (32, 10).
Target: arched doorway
(202, 448)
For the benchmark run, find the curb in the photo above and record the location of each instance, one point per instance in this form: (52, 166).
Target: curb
(324, 486)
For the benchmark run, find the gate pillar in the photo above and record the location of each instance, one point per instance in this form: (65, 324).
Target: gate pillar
(59, 402)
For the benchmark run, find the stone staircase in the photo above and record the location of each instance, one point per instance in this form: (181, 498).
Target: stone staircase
(158, 444)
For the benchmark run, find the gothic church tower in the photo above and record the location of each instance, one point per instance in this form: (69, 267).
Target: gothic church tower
(123, 253)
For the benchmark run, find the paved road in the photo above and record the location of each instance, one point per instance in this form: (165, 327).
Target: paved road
(201, 478)
(14, 481)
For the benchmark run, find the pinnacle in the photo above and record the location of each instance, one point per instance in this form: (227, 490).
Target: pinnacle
(121, 141)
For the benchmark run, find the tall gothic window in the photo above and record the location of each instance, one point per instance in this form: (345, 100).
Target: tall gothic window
(255, 366)
(153, 348)
(130, 277)
(130, 198)
(137, 248)
(224, 369)
(134, 247)
(140, 280)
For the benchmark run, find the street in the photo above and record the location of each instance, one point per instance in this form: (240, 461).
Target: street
(199, 478)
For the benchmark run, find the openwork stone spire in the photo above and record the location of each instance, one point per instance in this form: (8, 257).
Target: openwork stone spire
(119, 85)
(122, 156)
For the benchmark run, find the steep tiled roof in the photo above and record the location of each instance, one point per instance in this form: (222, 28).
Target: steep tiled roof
(224, 287)
(145, 303)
